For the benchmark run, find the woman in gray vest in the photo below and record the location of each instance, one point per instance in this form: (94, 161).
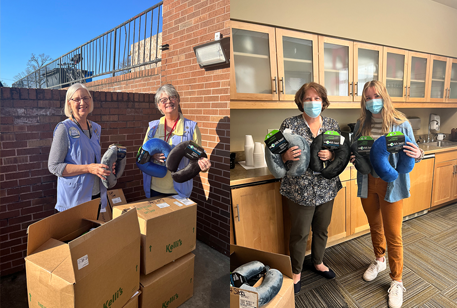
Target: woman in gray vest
(173, 128)
(76, 153)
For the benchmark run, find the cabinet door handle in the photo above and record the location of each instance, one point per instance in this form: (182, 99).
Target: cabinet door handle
(351, 88)
(449, 93)
(238, 212)
(406, 91)
(409, 88)
(282, 85)
(276, 89)
(356, 89)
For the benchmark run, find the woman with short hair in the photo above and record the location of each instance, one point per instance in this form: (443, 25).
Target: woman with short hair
(173, 128)
(310, 196)
(75, 153)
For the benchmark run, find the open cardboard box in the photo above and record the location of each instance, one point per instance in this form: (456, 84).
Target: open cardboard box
(241, 298)
(115, 197)
(168, 228)
(67, 265)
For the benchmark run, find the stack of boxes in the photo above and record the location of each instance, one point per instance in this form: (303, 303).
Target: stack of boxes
(168, 235)
(75, 260)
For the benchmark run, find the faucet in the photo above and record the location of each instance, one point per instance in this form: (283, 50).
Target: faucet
(428, 134)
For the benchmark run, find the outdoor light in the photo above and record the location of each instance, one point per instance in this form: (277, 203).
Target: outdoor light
(215, 54)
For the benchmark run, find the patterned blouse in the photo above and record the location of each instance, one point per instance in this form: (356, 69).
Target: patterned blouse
(309, 189)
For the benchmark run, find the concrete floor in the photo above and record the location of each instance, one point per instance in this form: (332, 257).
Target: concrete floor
(211, 281)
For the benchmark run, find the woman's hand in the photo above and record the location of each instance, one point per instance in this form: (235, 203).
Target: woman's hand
(204, 164)
(325, 155)
(100, 170)
(412, 150)
(352, 159)
(160, 157)
(114, 168)
(292, 153)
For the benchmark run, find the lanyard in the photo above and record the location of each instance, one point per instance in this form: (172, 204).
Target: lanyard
(76, 122)
(172, 129)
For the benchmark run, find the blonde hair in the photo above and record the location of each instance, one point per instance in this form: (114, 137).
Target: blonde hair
(71, 90)
(389, 114)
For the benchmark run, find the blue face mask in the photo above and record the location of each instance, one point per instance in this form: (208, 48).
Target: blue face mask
(312, 109)
(375, 105)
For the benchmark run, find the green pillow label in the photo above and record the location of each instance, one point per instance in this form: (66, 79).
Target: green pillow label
(193, 151)
(364, 145)
(395, 141)
(331, 139)
(276, 142)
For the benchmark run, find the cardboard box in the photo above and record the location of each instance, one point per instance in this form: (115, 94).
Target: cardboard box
(133, 302)
(169, 286)
(168, 229)
(284, 299)
(115, 197)
(69, 266)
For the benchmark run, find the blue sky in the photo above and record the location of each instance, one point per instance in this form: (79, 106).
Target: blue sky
(55, 27)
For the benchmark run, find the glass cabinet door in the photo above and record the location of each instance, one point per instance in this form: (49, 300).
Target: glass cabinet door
(438, 87)
(335, 71)
(395, 76)
(368, 64)
(417, 77)
(452, 94)
(297, 61)
(253, 69)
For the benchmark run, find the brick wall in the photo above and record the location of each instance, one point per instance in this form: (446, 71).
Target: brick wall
(27, 189)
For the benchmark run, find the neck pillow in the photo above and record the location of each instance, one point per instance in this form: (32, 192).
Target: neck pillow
(144, 159)
(379, 156)
(270, 286)
(115, 153)
(274, 161)
(190, 150)
(341, 152)
(362, 161)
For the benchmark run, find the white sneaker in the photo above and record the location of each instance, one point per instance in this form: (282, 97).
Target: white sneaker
(373, 270)
(396, 294)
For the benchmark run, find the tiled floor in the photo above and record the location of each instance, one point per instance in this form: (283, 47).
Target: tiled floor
(429, 273)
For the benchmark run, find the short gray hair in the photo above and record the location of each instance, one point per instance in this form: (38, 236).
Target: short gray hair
(168, 89)
(71, 90)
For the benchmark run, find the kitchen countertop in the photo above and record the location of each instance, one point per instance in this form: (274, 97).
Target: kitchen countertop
(239, 175)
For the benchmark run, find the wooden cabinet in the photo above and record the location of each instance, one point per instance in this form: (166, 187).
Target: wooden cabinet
(406, 75)
(253, 73)
(443, 79)
(445, 178)
(257, 217)
(346, 66)
(359, 220)
(452, 85)
(421, 179)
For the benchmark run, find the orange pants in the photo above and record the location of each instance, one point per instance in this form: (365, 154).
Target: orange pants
(385, 220)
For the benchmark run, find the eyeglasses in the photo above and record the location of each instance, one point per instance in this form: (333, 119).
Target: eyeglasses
(166, 99)
(78, 100)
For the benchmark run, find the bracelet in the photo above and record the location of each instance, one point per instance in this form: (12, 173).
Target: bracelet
(420, 157)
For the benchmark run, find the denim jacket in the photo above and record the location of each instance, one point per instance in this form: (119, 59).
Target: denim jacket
(398, 189)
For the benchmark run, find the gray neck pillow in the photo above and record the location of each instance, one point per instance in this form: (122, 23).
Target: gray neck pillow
(277, 167)
(115, 153)
(270, 286)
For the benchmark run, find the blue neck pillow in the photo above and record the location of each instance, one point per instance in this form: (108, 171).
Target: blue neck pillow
(361, 163)
(144, 159)
(277, 167)
(270, 286)
(333, 168)
(178, 153)
(379, 157)
(115, 153)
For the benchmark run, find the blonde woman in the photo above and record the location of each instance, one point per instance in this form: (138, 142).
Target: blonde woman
(382, 201)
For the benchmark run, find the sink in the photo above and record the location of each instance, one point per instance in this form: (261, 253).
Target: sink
(444, 143)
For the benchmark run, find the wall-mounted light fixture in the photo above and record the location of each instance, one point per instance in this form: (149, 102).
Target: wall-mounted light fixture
(214, 55)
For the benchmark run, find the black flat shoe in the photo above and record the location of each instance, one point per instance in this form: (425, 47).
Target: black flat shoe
(297, 287)
(328, 274)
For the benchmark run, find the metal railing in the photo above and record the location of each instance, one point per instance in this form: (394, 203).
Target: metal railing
(131, 46)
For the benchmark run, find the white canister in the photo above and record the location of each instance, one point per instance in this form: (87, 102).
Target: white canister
(259, 156)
